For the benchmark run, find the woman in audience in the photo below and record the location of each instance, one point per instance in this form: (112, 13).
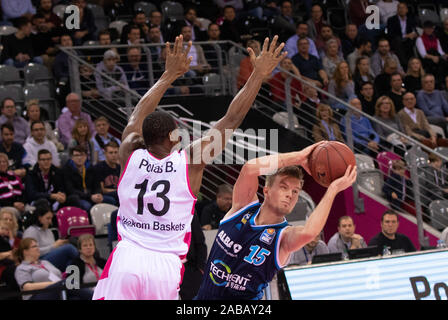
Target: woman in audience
(341, 86)
(11, 187)
(90, 267)
(363, 73)
(35, 273)
(8, 216)
(58, 252)
(413, 79)
(331, 59)
(326, 128)
(81, 136)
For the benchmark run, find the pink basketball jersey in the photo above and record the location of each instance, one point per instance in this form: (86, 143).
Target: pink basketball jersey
(156, 202)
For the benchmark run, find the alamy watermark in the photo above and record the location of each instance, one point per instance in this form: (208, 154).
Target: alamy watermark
(72, 21)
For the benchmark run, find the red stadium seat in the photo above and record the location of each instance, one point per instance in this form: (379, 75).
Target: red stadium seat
(385, 159)
(73, 221)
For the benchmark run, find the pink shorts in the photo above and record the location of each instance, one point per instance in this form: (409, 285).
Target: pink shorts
(136, 273)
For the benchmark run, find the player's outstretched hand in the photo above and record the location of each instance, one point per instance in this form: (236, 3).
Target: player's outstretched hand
(346, 180)
(177, 59)
(305, 154)
(270, 56)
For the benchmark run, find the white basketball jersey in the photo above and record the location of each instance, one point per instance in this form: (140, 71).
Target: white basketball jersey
(156, 202)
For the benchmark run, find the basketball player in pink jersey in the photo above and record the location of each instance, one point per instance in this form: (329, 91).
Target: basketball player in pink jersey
(157, 186)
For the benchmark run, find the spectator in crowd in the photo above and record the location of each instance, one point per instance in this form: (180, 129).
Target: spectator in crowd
(102, 136)
(8, 215)
(291, 43)
(11, 187)
(365, 138)
(363, 48)
(67, 119)
(139, 20)
(362, 73)
(15, 151)
(42, 40)
(132, 37)
(88, 84)
(155, 37)
(45, 181)
(357, 11)
(396, 90)
(284, 22)
(389, 237)
(316, 21)
(90, 264)
(382, 81)
(195, 264)
(199, 65)
(215, 211)
(59, 252)
(402, 32)
(350, 39)
(309, 66)
(211, 54)
(80, 180)
(136, 72)
(415, 123)
(442, 35)
(60, 64)
(51, 19)
(110, 90)
(95, 56)
(13, 9)
(81, 136)
(246, 67)
(415, 72)
(33, 112)
(306, 109)
(325, 127)
(230, 28)
(435, 186)
(341, 85)
(305, 255)
(36, 273)
(331, 57)
(236, 4)
(388, 9)
(38, 141)
(367, 97)
(378, 60)
(432, 102)
(155, 20)
(277, 83)
(87, 27)
(9, 114)
(7, 263)
(429, 48)
(326, 34)
(346, 238)
(191, 19)
(107, 172)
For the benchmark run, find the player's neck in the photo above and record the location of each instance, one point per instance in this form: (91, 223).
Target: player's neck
(266, 217)
(159, 151)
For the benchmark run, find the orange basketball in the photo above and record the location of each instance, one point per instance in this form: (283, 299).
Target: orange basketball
(329, 161)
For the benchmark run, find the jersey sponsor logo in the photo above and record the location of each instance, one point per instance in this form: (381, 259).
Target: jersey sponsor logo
(245, 218)
(152, 168)
(268, 236)
(222, 276)
(155, 225)
(228, 243)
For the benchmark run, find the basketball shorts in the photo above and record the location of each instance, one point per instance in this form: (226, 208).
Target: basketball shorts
(136, 273)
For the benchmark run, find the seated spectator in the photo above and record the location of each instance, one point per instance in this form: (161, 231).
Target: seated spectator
(89, 264)
(305, 255)
(35, 273)
(110, 90)
(102, 136)
(67, 119)
(413, 79)
(378, 60)
(210, 50)
(277, 83)
(432, 54)
(368, 98)
(59, 252)
(215, 211)
(15, 151)
(38, 141)
(45, 181)
(7, 259)
(291, 43)
(42, 39)
(416, 125)
(33, 112)
(326, 128)
(346, 238)
(18, 48)
(88, 84)
(191, 19)
(357, 11)
(385, 113)
(80, 180)
(309, 66)
(156, 20)
(155, 37)
(285, 22)
(396, 90)
(388, 237)
(365, 139)
(95, 56)
(382, 81)
(136, 72)
(363, 48)
(230, 29)
(107, 172)
(11, 187)
(362, 73)
(13, 9)
(306, 110)
(342, 86)
(246, 67)
(331, 58)
(199, 65)
(51, 19)
(316, 21)
(349, 39)
(81, 136)
(139, 20)
(326, 34)
(433, 103)
(435, 186)
(60, 64)
(8, 216)
(87, 27)
(9, 114)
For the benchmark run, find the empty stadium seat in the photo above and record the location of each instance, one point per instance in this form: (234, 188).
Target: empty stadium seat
(172, 9)
(146, 7)
(337, 18)
(34, 72)
(101, 216)
(204, 22)
(73, 222)
(303, 208)
(444, 236)
(118, 25)
(443, 14)
(371, 181)
(385, 159)
(7, 30)
(421, 157)
(438, 210)
(437, 130)
(59, 10)
(9, 74)
(212, 84)
(443, 151)
(364, 162)
(42, 91)
(426, 14)
(13, 91)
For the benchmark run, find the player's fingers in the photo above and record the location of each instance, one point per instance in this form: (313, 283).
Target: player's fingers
(187, 50)
(273, 44)
(265, 44)
(168, 48)
(180, 42)
(279, 49)
(251, 53)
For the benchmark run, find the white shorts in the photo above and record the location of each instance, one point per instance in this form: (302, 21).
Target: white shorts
(136, 273)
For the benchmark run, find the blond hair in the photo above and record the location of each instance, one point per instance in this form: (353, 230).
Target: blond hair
(11, 211)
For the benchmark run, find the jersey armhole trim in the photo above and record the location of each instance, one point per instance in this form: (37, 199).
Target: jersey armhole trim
(188, 177)
(125, 167)
(278, 265)
(238, 212)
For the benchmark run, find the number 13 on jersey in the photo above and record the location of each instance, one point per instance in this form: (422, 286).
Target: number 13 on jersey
(161, 194)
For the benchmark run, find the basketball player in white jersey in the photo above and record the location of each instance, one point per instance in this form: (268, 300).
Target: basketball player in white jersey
(157, 186)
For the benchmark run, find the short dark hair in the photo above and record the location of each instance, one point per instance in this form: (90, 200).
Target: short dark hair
(133, 26)
(21, 22)
(157, 127)
(41, 152)
(366, 83)
(104, 32)
(389, 211)
(36, 122)
(344, 218)
(291, 171)
(6, 99)
(224, 188)
(8, 125)
(111, 144)
(79, 149)
(362, 42)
